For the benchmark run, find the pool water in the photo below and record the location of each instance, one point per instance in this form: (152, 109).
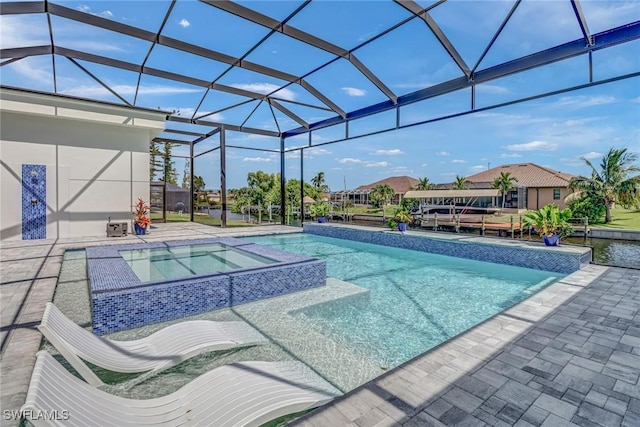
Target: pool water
(417, 300)
(189, 260)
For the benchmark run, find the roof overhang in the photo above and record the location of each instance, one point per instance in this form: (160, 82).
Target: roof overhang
(432, 194)
(65, 107)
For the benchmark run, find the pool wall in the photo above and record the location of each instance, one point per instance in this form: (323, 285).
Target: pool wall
(120, 301)
(520, 254)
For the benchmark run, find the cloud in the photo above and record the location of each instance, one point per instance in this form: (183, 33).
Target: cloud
(532, 146)
(442, 153)
(20, 31)
(87, 9)
(316, 150)
(354, 91)
(349, 160)
(424, 165)
(28, 68)
(591, 155)
(458, 161)
(266, 88)
(477, 168)
(585, 101)
(573, 122)
(509, 156)
(491, 89)
(636, 100)
(394, 152)
(184, 23)
(377, 164)
(368, 164)
(257, 159)
(448, 174)
(609, 14)
(93, 45)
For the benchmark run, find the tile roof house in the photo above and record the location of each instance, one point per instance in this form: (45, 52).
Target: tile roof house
(360, 195)
(537, 186)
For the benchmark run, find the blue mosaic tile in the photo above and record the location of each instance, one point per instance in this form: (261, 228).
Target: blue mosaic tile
(34, 202)
(116, 311)
(546, 259)
(271, 282)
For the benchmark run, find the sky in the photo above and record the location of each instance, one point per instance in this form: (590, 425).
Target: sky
(553, 131)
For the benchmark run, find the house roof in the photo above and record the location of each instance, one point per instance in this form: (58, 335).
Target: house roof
(430, 194)
(400, 184)
(527, 174)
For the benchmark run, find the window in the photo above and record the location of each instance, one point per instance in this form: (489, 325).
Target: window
(556, 194)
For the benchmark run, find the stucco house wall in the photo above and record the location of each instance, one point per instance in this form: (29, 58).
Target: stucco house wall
(96, 158)
(541, 196)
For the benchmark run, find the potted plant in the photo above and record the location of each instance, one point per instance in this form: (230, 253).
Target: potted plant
(141, 219)
(320, 211)
(550, 222)
(403, 218)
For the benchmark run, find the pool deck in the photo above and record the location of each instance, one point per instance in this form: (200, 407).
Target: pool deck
(569, 355)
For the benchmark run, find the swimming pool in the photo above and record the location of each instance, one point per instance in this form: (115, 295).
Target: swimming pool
(398, 304)
(417, 300)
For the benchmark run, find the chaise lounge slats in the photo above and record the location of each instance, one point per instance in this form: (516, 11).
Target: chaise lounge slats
(242, 394)
(155, 352)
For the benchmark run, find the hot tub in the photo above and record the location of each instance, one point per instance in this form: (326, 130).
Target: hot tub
(135, 285)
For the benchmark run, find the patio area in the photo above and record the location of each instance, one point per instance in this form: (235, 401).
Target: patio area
(569, 354)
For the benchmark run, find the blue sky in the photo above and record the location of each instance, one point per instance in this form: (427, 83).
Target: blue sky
(553, 131)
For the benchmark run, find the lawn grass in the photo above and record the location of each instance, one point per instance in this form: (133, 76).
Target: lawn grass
(621, 218)
(199, 218)
(208, 220)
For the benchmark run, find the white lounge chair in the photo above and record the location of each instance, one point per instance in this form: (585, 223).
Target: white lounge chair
(156, 352)
(242, 394)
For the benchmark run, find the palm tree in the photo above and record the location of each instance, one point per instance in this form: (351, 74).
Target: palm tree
(505, 183)
(381, 195)
(424, 184)
(460, 183)
(612, 181)
(318, 182)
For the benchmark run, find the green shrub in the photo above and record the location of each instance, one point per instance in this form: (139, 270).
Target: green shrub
(550, 219)
(319, 209)
(588, 206)
(402, 215)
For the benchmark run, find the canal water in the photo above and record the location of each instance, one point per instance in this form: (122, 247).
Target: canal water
(620, 253)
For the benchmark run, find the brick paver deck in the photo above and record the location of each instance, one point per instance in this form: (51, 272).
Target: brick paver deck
(569, 355)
